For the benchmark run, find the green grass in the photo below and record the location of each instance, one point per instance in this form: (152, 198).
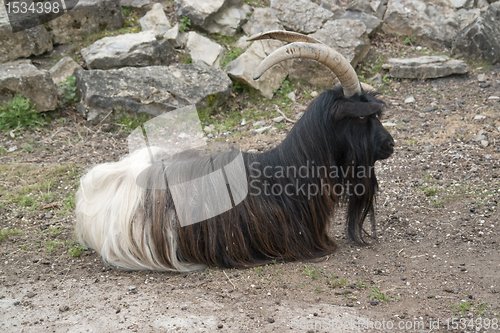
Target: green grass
(51, 246)
(131, 121)
(25, 201)
(184, 24)
(6, 233)
(310, 272)
(69, 91)
(28, 148)
(53, 231)
(230, 55)
(76, 250)
(378, 295)
(20, 113)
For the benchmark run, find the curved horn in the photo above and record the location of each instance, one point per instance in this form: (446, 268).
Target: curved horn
(322, 54)
(284, 36)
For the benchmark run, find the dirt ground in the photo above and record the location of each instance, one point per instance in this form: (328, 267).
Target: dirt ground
(437, 256)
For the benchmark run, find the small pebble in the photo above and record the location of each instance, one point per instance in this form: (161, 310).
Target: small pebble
(410, 99)
(271, 320)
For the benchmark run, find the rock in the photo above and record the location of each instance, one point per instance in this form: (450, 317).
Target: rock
(348, 37)
(292, 96)
(372, 23)
(137, 50)
(482, 37)
(135, 3)
(410, 100)
(372, 7)
(301, 15)
(389, 124)
(22, 44)
(242, 43)
(493, 98)
(485, 85)
(202, 49)
(64, 69)
(262, 20)
(221, 16)
(433, 23)
(484, 143)
(481, 78)
(242, 68)
(278, 119)
(87, 17)
(259, 123)
(155, 20)
(462, 3)
(21, 77)
(228, 21)
(479, 137)
(374, 302)
(425, 67)
(376, 79)
(153, 90)
(260, 130)
(479, 117)
(176, 38)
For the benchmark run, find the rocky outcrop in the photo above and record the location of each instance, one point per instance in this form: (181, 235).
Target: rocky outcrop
(433, 22)
(138, 50)
(348, 37)
(135, 3)
(155, 20)
(229, 20)
(64, 69)
(428, 67)
(202, 49)
(216, 16)
(372, 7)
(301, 15)
(242, 68)
(21, 77)
(481, 39)
(262, 20)
(153, 90)
(372, 23)
(87, 17)
(22, 44)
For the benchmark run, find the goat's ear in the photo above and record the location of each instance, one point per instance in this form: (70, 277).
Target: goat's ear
(358, 109)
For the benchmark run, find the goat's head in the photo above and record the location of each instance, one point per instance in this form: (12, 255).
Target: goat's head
(354, 111)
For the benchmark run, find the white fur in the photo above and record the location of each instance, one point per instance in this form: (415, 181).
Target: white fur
(110, 217)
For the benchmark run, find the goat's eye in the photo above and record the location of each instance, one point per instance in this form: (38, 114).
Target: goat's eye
(361, 117)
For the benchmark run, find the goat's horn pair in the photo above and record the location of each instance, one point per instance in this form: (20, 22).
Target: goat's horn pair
(309, 48)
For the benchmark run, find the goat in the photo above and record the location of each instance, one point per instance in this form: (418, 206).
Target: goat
(336, 142)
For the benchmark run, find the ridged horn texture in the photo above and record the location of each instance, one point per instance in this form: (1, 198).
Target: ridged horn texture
(284, 36)
(322, 54)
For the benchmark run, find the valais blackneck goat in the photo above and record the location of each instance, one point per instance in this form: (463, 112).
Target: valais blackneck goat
(338, 140)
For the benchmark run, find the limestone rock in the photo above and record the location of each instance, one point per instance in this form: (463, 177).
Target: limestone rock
(432, 22)
(301, 15)
(372, 23)
(348, 37)
(262, 20)
(462, 3)
(217, 16)
(155, 20)
(64, 69)
(228, 21)
(135, 3)
(376, 8)
(482, 37)
(176, 38)
(202, 49)
(152, 90)
(242, 68)
(22, 44)
(87, 17)
(426, 67)
(21, 77)
(138, 50)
